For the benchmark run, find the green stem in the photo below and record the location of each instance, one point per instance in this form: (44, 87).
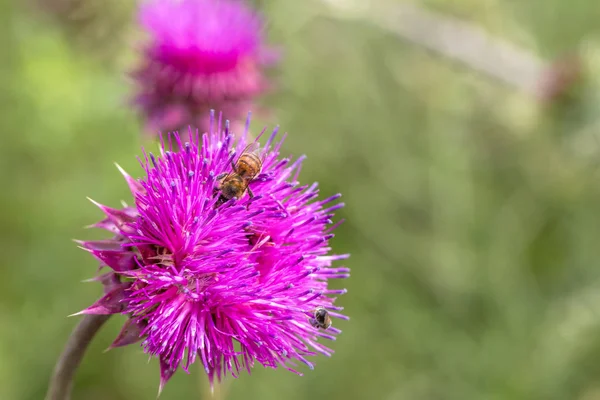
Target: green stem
(68, 362)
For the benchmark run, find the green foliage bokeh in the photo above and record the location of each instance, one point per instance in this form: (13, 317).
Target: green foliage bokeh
(473, 211)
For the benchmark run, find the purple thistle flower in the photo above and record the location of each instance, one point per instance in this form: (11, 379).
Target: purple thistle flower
(230, 283)
(202, 54)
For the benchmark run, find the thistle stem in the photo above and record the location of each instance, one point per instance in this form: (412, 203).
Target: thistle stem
(68, 362)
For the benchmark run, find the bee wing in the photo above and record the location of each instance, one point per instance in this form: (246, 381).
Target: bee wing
(251, 148)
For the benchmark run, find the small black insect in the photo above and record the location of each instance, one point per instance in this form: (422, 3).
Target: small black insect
(320, 318)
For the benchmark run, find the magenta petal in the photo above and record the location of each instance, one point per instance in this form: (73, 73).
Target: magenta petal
(147, 253)
(119, 261)
(109, 281)
(106, 224)
(166, 373)
(130, 333)
(121, 218)
(134, 185)
(99, 244)
(110, 303)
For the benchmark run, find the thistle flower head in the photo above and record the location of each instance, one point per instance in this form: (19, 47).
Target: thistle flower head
(227, 282)
(201, 54)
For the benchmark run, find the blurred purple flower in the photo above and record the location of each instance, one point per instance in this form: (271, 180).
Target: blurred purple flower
(230, 283)
(202, 55)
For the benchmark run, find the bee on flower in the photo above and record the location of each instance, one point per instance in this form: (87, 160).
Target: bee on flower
(227, 282)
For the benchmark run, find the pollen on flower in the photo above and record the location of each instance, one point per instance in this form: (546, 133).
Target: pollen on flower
(228, 284)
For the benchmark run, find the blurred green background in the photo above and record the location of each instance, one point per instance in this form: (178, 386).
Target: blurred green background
(473, 209)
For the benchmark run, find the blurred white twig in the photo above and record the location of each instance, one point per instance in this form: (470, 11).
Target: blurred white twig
(459, 40)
